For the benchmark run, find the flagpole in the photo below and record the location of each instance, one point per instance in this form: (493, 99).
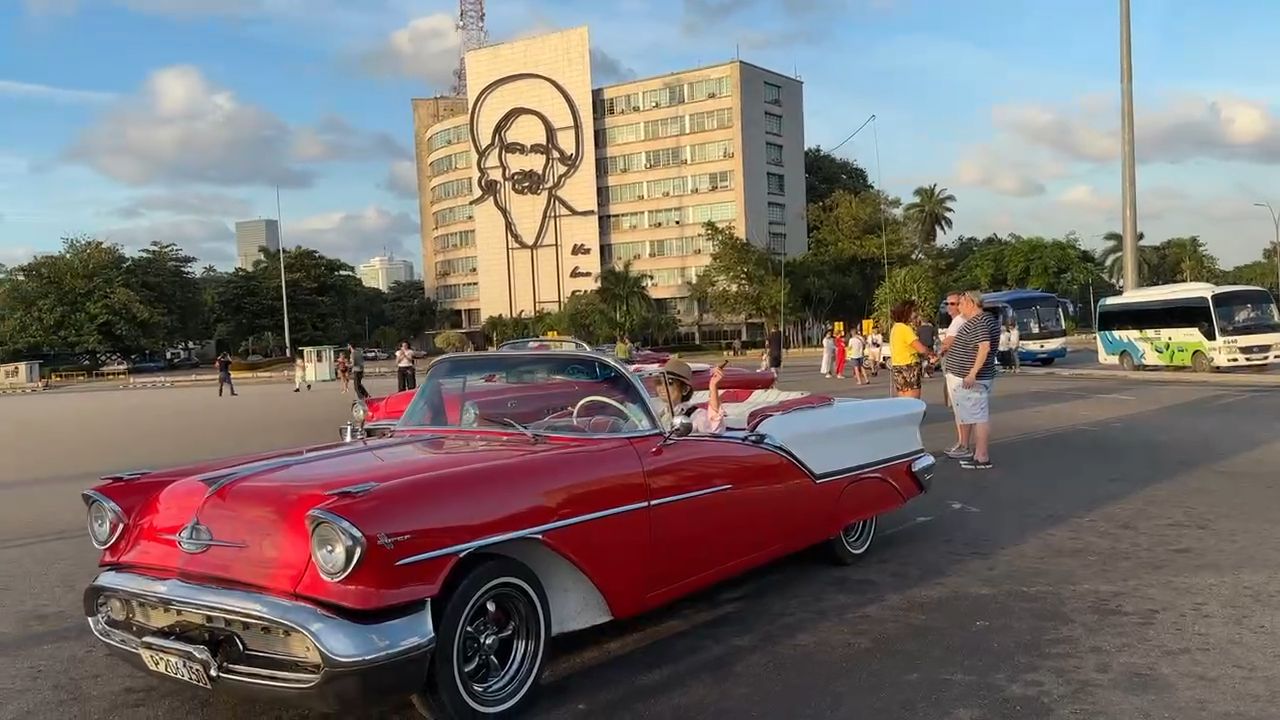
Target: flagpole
(284, 295)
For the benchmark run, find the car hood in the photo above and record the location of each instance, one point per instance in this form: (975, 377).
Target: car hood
(256, 511)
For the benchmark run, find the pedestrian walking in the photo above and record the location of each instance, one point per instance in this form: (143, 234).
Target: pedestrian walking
(857, 353)
(970, 371)
(775, 351)
(737, 347)
(344, 372)
(906, 351)
(1002, 353)
(357, 370)
(842, 355)
(875, 350)
(224, 373)
(828, 354)
(1015, 344)
(300, 373)
(406, 374)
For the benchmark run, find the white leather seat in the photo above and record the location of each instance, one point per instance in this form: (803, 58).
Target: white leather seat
(737, 414)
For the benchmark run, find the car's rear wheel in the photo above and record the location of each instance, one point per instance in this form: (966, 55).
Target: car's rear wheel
(853, 542)
(490, 647)
(1046, 362)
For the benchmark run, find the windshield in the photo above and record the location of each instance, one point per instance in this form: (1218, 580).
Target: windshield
(1040, 319)
(536, 393)
(542, 344)
(1245, 312)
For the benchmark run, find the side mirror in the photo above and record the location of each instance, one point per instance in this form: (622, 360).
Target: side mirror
(681, 426)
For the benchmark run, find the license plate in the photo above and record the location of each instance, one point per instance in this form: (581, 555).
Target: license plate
(176, 667)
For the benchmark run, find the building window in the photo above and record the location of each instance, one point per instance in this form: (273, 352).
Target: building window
(710, 182)
(772, 123)
(665, 157)
(666, 127)
(451, 189)
(451, 215)
(711, 120)
(455, 240)
(471, 317)
(456, 266)
(461, 291)
(448, 136)
(772, 93)
(773, 153)
(662, 218)
(672, 276)
(708, 152)
(611, 253)
(449, 163)
(715, 212)
(619, 134)
(707, 89)
(620, 105)
(778, 243)
(681, 246)
(622, 163)
(667, 188)
(664, 97)
(622, 193)
(624, 221)
(777, 213)
(777, 184)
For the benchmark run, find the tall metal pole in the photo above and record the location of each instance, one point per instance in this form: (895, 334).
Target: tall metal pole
(884, 241)
(1130, 181)
(284, 295)
(1275, 220)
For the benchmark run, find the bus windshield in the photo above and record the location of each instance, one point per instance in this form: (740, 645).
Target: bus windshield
(1245, 312)
(1039, 319)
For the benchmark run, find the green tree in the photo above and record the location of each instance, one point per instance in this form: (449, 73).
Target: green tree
(451, 341)
(409, 311)
(162, 276)
(929, 214)
(1188, 260)
(1112, 257)
(825, 175)
(743, 280)
(623, 292)
(912, 282)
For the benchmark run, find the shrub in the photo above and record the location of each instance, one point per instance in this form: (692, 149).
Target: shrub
(451, 341)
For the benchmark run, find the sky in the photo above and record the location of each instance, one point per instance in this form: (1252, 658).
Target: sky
(138, 120)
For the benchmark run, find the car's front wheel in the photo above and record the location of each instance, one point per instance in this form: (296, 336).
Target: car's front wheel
(490, 647)
(853, 542)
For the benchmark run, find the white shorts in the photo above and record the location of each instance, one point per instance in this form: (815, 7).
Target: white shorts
(971, 405)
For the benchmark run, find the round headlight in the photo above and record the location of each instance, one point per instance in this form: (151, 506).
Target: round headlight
(104, 523)
(470, 415)
(358, 412)
(335, 545)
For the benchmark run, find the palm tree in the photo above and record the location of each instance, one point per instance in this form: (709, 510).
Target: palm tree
(624, 293)
(930, 212)
(1112, 257)
(1189, 258)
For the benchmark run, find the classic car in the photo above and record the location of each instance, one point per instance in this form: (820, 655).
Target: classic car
(436, 563)
(638, 355)
(375, 417)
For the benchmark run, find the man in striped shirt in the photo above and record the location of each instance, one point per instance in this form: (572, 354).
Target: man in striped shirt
(970, 369)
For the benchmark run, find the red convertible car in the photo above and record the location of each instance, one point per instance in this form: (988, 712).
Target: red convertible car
(375, 417)
(437, 563)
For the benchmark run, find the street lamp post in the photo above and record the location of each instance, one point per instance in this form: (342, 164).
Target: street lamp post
(284, 293)
(1275, 220)
(1129, 174)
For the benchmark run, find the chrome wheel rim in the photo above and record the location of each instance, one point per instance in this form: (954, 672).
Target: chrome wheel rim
(499, 646)
(857, 537)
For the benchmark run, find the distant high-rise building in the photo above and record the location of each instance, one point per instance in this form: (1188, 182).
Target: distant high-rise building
(383, 272)
(251, 237)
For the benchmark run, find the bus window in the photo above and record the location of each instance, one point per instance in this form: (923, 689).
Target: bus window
(1245, 312)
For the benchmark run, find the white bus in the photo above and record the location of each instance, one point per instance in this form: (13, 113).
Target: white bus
(1197, 325)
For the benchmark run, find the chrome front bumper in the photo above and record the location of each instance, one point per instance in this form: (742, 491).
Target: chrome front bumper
(264, 645)
(922, 469)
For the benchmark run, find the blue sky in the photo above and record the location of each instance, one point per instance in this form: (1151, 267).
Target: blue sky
(170, 119)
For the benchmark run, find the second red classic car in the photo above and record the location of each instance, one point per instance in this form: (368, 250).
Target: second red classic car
(436, 563)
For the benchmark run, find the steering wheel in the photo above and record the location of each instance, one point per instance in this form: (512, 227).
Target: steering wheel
(606, 401)
(577, 372)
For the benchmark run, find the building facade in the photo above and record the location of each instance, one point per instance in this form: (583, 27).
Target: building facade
(251, 237)
(383, 272)
(544, 180)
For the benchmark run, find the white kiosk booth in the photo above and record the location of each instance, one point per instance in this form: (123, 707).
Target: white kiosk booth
(321, 362)
(20, 375)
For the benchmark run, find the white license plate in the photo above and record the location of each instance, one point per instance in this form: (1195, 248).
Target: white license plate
(176, 667)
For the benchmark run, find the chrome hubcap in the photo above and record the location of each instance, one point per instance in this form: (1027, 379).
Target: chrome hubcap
(857, 537)
(499, 648)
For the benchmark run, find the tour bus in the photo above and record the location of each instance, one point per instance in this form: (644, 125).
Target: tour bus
(1197, 325)
(1042, 329)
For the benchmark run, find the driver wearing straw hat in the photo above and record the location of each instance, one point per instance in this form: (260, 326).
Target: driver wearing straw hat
(674, 389)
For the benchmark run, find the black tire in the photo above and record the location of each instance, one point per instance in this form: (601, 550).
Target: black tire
(496, 596)
(1046, 362)
(1201, 362)
(853, 542)
(1127, 363)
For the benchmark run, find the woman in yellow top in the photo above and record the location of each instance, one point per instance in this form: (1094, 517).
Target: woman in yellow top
(905, 350)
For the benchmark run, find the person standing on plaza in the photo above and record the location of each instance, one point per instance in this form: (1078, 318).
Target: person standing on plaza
(223, 364)
(406, 374)
(357, 370)
(857, 352)
(906, 351)
(299, 373)
(1015, 342)
(344, 372)
(828, 354)
(1002, 353)
(970, 371)
(875, 350)
(622, 349)
(948, 336)
(841, 354)
(775, 351)
(928, 337)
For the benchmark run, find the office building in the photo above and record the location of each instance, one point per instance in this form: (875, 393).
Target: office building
(538, 180)
(383, 272)
(251, 237)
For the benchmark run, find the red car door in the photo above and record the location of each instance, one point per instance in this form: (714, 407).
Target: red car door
(717, 506)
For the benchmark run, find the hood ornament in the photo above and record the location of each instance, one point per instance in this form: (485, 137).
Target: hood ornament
(195, 537)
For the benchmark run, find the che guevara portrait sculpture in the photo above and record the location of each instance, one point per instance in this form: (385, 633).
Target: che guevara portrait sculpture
(524, 155)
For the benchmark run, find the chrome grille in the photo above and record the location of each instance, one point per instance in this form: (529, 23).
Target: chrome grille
(258, 638)
(1255, 349)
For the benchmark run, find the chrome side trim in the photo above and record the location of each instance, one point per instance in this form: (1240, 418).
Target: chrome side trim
(355, 540)
(218, 479)
(91, 496)
(195, 542)
(342, 643)
(464, 548)
(358, 489)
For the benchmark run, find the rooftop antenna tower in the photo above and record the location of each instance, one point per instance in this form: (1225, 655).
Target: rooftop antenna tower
(473, 35)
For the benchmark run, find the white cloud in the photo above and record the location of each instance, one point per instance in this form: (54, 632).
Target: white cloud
(402, 179)
(189, 204)
(1189, 128)
(1086, 198)
(181, 128)
(1005, 172)
(211, 241)
(426, 48)
(355, 236)
(16, 89)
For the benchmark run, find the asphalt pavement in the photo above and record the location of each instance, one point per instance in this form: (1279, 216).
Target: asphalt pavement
(1118, 562)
